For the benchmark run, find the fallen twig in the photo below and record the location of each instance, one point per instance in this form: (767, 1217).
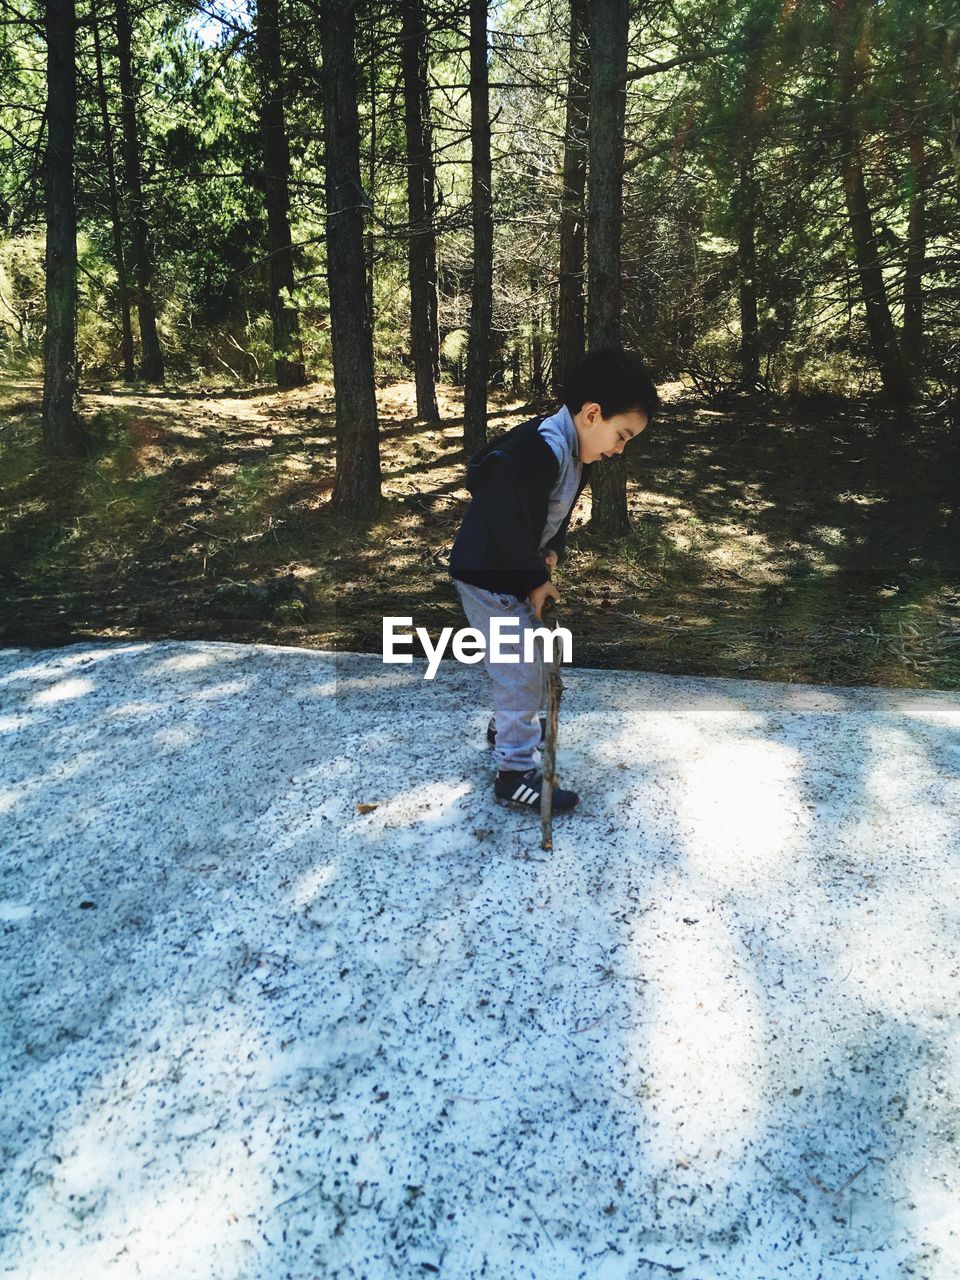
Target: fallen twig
(590, 1025)
(822, 1186)
(543, 1225)
(289, 1200)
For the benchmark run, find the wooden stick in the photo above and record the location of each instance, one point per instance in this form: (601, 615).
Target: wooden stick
(554, 694)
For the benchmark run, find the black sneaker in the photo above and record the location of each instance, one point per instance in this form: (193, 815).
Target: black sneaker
(492, 731)
(526, 788)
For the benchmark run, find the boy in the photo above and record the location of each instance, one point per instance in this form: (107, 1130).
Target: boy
(524, 485)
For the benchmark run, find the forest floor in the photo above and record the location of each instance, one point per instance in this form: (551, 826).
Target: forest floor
(816, 541)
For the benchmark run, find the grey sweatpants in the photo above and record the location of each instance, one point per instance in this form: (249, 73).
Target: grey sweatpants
(519, 688)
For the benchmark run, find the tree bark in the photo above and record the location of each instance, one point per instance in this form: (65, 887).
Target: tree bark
(496, 368)
(894, 374)
(126, 327)
(481, 311)
(570, 319)
(537, 385)
(746, 202)
(953, 72)
(608, 69)
(151, 357)
(287, 349)
(916, 256)
(422, 259)
(912, 335)
(357, 487)
(62, 432)
(883, 338)
(749, 126)
(371, 181)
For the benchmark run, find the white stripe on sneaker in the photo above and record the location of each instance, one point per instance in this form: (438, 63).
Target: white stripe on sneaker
(518, 794)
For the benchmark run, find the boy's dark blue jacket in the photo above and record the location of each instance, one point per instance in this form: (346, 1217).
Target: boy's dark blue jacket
(510, 479)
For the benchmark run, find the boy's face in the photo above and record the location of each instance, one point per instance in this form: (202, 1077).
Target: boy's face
(602, 437)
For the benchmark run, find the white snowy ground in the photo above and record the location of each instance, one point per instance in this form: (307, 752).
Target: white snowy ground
(250, 1031)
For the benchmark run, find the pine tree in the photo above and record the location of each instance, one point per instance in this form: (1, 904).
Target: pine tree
(481, 309)
(608, 69)
(62, 432)
(422, 258)
(287, 351)
(357, 488)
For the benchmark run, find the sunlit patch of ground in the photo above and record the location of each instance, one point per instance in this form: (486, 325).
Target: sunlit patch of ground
(805, 545)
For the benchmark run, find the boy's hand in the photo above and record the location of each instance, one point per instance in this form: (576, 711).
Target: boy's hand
(550, 559)
(539, 594)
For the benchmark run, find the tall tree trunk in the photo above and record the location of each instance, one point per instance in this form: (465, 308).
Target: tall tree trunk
(287, 350)
(750, 126)
(746, 203)
(496, 369)
(372, 179)
(883, 339)
(481, 311)
(912, 336)
(62, 433)
(357, 487)
(570, 322)
(952, 54)
(151, 357)
(536, 337)
(916, 256)
(684, 303)
(430, 190)
(422, 260)
(608, 70)
(126, 328)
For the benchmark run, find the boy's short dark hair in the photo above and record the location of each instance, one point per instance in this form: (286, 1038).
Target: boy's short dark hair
(618, 381)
